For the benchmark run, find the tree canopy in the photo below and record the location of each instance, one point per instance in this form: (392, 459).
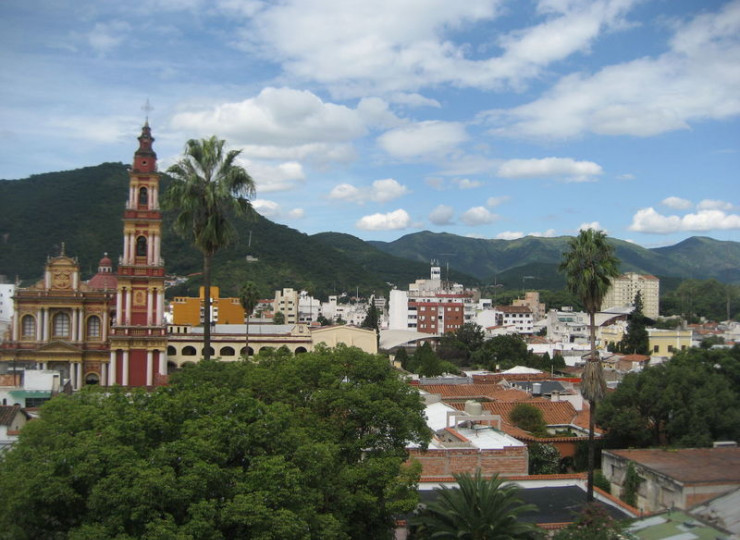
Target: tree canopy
(311, 446)
(690, 401)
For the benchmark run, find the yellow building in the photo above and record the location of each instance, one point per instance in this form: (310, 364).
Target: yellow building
(62, 323)
(667, 342)
(189, 311)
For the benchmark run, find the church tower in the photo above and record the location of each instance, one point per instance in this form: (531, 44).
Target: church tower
(138, 338)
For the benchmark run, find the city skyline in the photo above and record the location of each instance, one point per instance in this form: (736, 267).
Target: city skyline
(489, 119)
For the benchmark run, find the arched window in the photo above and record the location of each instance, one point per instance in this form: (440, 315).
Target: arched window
(171, 351)
(143, 197)
(244, 350)
(93, 327)
(227, 351)
(28, 326)
(61, 325)
(188, 351)
(141, 246)
(301, 350)
(92, 378)
(212, 353)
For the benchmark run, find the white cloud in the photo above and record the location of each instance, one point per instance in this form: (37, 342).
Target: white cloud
(626, 176)
(392, 221)
(478, 215)
(266, 208)
(711, 204)
(513, 235)
(423, 139)
(566, 168)
(594, 226)
(284, 123)
(466, 183)
(647, 220)
(676, 203)
(270, 178)
(390, 47)
(414, 100)
(510, 235)
(297, 213)
(696, 80)
(442, 215)
(381, 191)
(492, 202)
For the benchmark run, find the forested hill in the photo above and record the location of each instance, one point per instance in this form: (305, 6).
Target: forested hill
(694, 258)
(83, 209)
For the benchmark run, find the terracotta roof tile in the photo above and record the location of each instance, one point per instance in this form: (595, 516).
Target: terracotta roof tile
(475, 391)
(689, 465)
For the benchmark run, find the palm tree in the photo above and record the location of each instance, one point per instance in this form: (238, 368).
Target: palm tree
(249, 298)
(589, 265)
(477, 509)
(207, 188)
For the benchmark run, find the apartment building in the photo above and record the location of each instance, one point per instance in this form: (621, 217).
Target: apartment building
(624, 288)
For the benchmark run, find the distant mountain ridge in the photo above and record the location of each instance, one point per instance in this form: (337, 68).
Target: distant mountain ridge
(82, 209)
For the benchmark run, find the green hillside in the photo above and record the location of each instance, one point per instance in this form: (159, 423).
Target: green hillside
(82, 209)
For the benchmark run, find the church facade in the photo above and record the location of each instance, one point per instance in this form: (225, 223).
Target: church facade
(110, 329)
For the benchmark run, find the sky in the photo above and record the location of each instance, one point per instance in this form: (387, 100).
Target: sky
(490, 119)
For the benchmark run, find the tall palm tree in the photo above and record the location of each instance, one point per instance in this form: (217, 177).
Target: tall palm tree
(207, 189)
(249, 298)
(589, 265)
(477, 509)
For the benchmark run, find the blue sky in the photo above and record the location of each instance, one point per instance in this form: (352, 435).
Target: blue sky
(483, 118)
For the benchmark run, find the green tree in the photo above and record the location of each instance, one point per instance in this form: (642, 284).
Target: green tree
(311, 446)
(372, 319)
(278, 318)
(206, 190)
(426, 361)
(543, 459)
(690, 401)
(528, 417)
(478, 509)
(249, 297)
(503, 352)
(636, 339)
(589, 265)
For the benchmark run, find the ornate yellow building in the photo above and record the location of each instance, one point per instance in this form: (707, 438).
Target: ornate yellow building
(62, 324)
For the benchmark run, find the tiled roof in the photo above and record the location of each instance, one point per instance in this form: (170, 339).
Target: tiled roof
(636, 357)
(689, 465)
(8, 413)
(553, 412)
(475, 391)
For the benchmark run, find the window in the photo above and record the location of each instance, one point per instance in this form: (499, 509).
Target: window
(656, 348)
(61, 325)
(141, 246)
(143, 197)
(93, 327)
(188, 351)
(227, 351)
(28, 324)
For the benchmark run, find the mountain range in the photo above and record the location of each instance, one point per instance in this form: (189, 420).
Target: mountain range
(82, 210)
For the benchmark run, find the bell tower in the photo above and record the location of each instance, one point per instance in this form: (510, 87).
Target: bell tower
(139, 334)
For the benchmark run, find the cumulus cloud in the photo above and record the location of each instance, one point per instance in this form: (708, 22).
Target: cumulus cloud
(391, 221)
(381, 191)
(695, 80)
(270, 178)
(594, 226)
(676, 203)
(284, 123)
(297, 213)
(648, 220)
(712, 204)
(442, 215)
(478, 215)
(565, 168)
(391, 47)
(423, 139)
(266, 208)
